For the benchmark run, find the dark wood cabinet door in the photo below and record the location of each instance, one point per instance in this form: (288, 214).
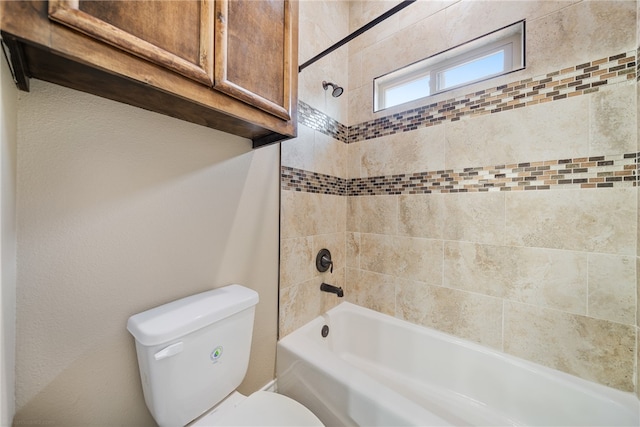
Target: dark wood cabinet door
(254, 52)
(226, 64)
(177, 35)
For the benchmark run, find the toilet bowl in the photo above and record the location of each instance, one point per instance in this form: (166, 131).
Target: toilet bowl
(261, 408)
(192, 355)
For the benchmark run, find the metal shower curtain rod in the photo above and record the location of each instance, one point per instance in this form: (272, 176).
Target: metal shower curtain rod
(357, 32)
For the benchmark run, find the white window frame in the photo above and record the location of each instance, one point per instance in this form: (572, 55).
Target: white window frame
(509, 39)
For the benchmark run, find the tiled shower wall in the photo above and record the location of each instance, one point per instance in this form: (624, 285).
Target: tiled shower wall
(505, 213)
(313, 219)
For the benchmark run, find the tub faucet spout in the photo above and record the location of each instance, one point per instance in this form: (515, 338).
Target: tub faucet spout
(333, 289)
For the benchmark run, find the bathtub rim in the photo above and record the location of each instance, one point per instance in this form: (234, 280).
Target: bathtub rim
(627, 400)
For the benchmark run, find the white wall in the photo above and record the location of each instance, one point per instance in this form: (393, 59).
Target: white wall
(8, 97)
(120, 210)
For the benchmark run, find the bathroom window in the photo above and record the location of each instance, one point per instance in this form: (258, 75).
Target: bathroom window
(497, 53)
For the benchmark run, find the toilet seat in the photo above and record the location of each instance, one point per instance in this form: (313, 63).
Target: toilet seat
(262, 408)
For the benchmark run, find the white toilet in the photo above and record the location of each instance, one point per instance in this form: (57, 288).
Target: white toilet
(194, 352)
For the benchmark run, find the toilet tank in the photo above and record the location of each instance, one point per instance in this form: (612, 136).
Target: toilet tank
(193, 352)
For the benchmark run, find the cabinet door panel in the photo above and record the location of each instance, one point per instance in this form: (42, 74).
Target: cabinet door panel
(177, 35)
(253, 41)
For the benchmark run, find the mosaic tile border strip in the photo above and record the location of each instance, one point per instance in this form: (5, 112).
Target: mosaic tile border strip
(317, 120)
(584, 172)
(612, 171)
(566, 83)
(311, 182)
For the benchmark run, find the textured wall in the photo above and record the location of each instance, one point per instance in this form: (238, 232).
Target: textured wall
(120, 210)
(8, 124)
(506, 212)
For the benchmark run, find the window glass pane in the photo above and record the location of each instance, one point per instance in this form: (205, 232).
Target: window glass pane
(494, 54)
(406, 92)
(472, 70)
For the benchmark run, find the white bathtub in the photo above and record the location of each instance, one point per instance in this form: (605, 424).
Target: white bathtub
(376, 370)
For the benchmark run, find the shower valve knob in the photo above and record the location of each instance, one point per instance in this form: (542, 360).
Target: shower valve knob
(323, 261)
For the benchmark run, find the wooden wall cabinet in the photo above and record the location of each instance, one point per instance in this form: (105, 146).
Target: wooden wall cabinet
(226, 64)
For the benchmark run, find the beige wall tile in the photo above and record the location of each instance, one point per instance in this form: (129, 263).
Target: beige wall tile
(353, 214)
(597, 350)
(306, 214)
(469, 19)
(612, 288)
(373, 214)
(356, 74)
(330, 300)
(353, 159)
(299, 304)
(297, 261)
(548, 131)
(475, 217)
(339, 212)
(405, 257)
(413, 300)
(298, 152)
(478, 268)
(470, 316)
(407, 152)
(310, 30)
(320, 25)
(363, 11)
(382, 31)
(544, 277)
(329, 156)
(371, 290)
(549, 278)
(302, 302)
(612, 120)
(581, 220)
(361, 104)
(310, 83)
(422, 215)
(295, 220)
(572, 32)
(330, 213)
(421, 10)
(353, 250)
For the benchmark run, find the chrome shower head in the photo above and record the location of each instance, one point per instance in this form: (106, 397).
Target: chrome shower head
(337, 90)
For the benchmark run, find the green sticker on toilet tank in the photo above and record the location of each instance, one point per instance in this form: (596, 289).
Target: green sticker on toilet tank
(216, 354)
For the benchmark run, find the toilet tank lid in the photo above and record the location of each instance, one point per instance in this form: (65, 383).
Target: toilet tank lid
(173, 320)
